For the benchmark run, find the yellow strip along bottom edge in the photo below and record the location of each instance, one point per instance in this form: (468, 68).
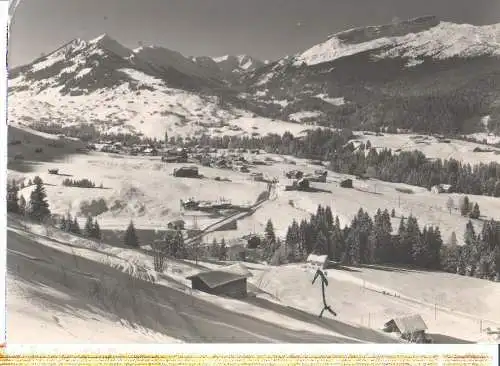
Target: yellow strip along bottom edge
(149, 360)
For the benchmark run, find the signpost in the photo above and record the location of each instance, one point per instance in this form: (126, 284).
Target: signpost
(324, 282)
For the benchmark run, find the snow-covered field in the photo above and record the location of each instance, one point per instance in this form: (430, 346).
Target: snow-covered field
(143, 189)
(66, 302)
(453, 306)
(432, 148)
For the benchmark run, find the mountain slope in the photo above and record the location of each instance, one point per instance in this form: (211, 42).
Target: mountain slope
(228, 67)
(422, 74)
(81, 280)
(148, 91)
(81, 67)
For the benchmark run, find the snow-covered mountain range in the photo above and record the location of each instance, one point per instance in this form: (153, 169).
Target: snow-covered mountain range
(412, 74)
(423, 74)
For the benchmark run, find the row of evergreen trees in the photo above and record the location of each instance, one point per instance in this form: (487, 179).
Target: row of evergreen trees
(366, 240)
(414, 168)
(218, 250)
(480, 254)
(81, 183)
(71, 225)
(37, 208)
(372, 241)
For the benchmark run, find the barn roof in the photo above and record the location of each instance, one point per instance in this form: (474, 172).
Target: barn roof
(238, 269)
(409, 324)
(221, 277)
(317, 258)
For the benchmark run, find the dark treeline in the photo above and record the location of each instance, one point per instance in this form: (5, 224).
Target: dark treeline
(414, 168)
(410, 167)
(480, 254)
(366, 240)
(371, 241)
(80, 183)
(315, 144)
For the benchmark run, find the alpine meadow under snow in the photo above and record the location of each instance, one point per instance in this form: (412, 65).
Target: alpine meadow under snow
(157, 197)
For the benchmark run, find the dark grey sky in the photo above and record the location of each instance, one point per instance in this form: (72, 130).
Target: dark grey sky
(266, 29)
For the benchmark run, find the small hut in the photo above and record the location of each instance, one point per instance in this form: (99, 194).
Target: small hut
(230, 281)
(411, 328)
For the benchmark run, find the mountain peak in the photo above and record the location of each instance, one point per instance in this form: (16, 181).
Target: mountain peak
(394, 29)
(414, 39)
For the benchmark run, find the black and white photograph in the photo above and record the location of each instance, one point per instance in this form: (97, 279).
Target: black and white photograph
(253, 171)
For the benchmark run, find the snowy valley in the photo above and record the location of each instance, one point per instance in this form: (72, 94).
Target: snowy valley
(136, 174)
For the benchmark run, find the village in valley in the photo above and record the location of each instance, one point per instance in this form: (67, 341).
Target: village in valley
(143, 210)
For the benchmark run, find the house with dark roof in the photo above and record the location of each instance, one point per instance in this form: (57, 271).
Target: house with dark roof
(228, 281)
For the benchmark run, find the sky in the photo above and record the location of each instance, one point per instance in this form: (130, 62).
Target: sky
(265, 29)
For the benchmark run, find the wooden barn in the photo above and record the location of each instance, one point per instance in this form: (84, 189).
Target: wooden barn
(229, 281)
(411, 328)
(186, 172)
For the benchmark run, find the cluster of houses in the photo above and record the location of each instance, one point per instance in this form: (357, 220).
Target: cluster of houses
(120, 148)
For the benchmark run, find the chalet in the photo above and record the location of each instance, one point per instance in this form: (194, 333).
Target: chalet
(258, 177)
(294, 174)
(186, 172)
(177, 225)
(150, 151)
(441, 188)
(411, 328)
(230, 281)
(236, 252)
(320, 261)
(347, 183)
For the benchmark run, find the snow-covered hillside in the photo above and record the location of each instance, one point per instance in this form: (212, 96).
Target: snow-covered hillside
(87, 292)
(165, 58)
(455, 308)
(149, 91)
(443, 40)
(151, 110)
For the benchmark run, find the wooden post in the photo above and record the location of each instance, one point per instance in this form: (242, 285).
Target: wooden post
(369, 319)
(435, 311)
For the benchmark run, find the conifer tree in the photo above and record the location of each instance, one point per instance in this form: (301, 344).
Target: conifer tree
(75, 227)
(475, 213)
(214, 249)
(38, 206)
(87, 231)
(223, 250)
(22, 205)
(465, 206)
(269, 231)
(96, 230)
(131, 238)
(12, 197)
